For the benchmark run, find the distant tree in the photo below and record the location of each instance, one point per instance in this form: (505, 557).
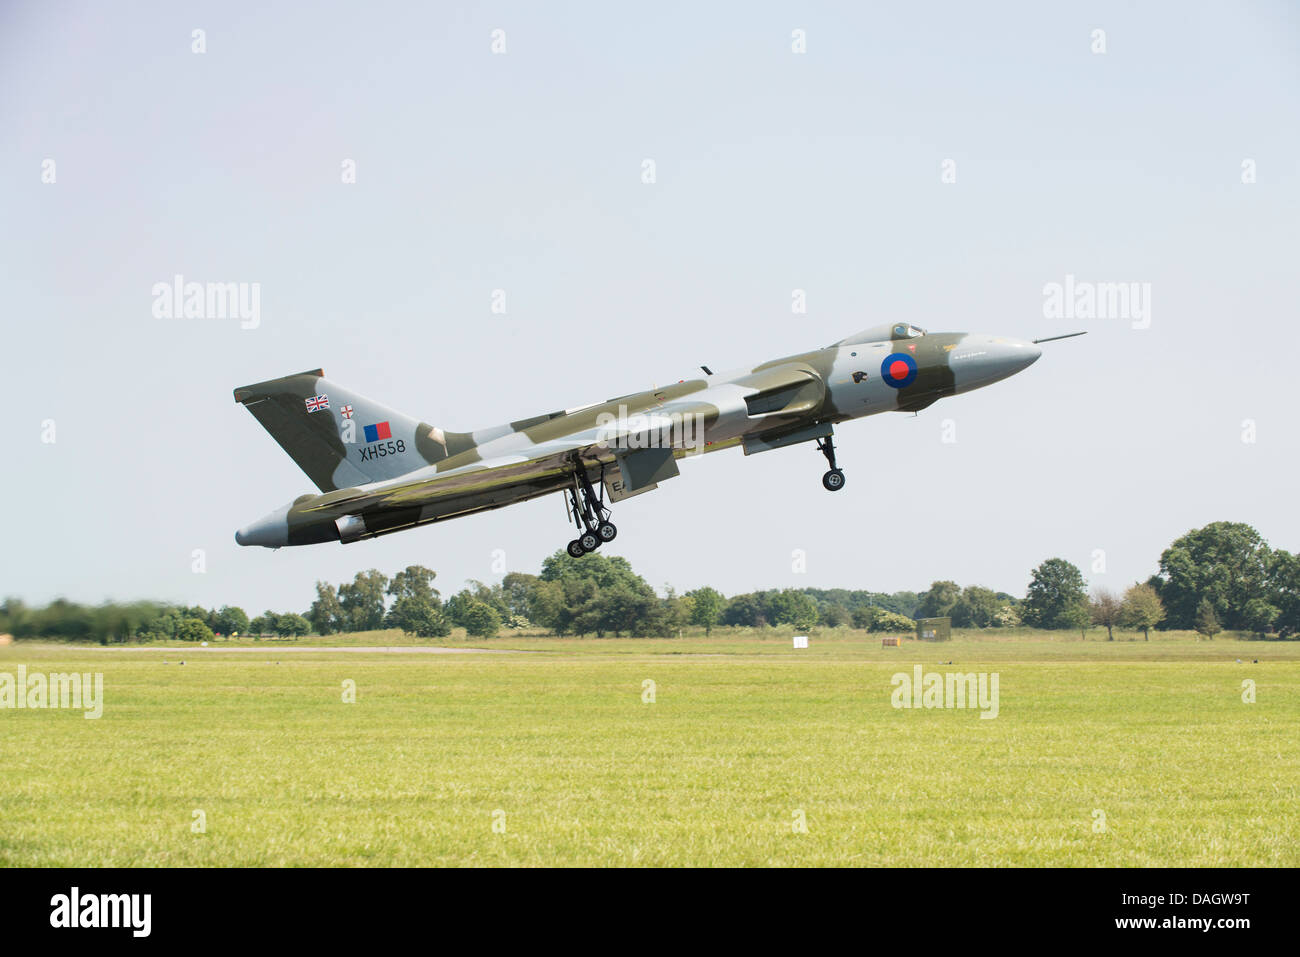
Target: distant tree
(326, 614)
(892, 622)
(419, 615)
(578, 613)
(164, 625)
(457, 607)
(900, 603)
(481, 619)
(546, 604)
(1283, 591)
(1259, 616)
(290, 625)
(747, 610)
(263, 624)
(618, 608)
(976, 607)
(938, 602)
(676, 611)
(599, 594)
(231, 620)
(63, 619)
(877, 619)
(415, 581)
(1077, 616)
(492, 595)
(835, 616)
(1056, 598)
(1105, 608)
(1207, 622)
(790, 606)
(864, 616)
(1224, 563)
(114, 622)
(662, 617)
(193, 629)
(1007, 616)
(205, 615)
(362, 601)
(516, 590)
(707, 606)
(14, 616)
(417, 609)
(1141, 610)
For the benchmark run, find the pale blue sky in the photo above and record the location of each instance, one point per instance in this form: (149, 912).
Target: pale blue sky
(522, 171)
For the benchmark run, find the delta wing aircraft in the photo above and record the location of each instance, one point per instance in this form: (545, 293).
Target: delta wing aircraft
(380, 471)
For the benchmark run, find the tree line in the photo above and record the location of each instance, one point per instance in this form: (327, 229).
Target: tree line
(595, 595)
(141, 621)
(1222, 576)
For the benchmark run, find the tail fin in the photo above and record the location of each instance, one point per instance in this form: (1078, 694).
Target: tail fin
(340, 438)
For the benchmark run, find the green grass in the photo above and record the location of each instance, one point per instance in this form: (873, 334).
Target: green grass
(744, 731)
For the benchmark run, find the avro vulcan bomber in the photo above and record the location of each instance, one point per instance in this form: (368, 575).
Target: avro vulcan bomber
(379, 471)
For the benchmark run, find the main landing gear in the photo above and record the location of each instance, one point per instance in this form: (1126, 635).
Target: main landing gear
(833, 480)
(589, 512)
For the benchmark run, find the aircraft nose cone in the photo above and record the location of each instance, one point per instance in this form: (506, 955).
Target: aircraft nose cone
(1007, 357)
(271, 531)
(982, 360)
(1020, 354)
(265, 533)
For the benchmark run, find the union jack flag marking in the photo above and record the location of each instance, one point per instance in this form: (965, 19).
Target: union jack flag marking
(318, 402)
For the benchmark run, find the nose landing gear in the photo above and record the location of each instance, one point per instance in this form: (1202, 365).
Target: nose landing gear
(833, 480)
(589, 512)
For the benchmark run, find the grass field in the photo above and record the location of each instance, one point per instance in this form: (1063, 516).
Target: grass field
(743, 735)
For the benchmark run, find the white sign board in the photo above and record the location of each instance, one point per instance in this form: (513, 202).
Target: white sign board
(801, 641)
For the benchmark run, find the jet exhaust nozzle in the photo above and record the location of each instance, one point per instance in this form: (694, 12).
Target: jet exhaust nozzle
(352, 528)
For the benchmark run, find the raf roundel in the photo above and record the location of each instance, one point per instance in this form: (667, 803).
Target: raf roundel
(898, 370)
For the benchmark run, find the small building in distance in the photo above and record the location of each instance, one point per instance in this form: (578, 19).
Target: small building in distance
(933, 629)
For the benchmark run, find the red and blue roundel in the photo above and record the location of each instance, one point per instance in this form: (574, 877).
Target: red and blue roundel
(898, 370)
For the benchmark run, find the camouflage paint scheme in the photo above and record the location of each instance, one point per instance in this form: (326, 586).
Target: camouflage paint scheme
(421, 473)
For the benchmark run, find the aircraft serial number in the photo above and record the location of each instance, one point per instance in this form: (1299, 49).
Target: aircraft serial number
(380, 449)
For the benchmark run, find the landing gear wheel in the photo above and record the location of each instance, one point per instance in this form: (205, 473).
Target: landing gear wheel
(833, 480)
(588, 511)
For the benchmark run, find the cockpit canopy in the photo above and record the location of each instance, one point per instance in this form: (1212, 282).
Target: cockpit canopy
(890, 333)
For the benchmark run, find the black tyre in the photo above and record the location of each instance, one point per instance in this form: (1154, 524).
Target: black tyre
(833, 480)
(575, 548)
(589, 541)
(606, 531)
